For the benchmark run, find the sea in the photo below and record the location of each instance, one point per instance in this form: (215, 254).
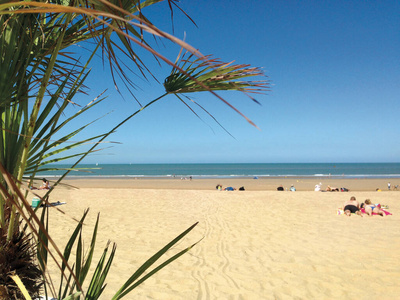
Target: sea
(229, 170)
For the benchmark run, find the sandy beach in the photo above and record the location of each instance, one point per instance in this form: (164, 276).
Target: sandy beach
(256, 244)
(261, 184)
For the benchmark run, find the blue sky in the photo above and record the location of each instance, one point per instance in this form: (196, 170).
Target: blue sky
(334, 69)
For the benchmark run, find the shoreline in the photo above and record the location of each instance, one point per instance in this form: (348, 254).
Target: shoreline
(318, 176)
(260, 184)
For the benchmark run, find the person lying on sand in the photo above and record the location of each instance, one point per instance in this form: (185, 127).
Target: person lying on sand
(332, 189)
(352, 206)
(371, 208)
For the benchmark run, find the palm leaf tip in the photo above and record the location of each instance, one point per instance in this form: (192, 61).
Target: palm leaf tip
(208, 74)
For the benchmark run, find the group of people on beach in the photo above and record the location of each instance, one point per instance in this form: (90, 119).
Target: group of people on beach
(389, 185)
(329, 188)
(280, 188)
(229, 188)
(353, 206)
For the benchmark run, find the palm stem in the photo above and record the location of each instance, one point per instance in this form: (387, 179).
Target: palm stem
(32, 122)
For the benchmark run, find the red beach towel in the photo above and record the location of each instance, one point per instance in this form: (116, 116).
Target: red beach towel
(385, 211)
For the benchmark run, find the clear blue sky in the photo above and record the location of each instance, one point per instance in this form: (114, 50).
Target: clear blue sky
(334, 68)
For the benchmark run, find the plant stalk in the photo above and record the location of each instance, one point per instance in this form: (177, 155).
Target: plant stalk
(32, 122)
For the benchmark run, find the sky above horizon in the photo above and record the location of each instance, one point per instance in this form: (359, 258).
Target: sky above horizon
(334, 72)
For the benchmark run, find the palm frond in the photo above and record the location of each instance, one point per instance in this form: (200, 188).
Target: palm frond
(211, 74)
(35, 40)
(96, 20)
(193, 74)
(135, 279)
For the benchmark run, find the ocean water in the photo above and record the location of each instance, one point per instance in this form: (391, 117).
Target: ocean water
(339, 170)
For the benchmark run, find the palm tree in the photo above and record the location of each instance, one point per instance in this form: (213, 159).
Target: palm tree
(39, 77)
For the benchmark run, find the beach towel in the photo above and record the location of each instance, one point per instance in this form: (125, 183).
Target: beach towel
(340, 211)
(53, 204)
(385, 211)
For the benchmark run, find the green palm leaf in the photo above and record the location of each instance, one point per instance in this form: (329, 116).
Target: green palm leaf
(35, 40)
(131, 283)
(206, 74)
(211, 74)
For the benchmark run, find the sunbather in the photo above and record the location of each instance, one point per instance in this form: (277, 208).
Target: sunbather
(45, 185)
(352, 206)
(332, 189)
(372, 208)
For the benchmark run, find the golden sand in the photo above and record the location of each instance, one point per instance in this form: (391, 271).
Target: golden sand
(262, 184)
(256, 244)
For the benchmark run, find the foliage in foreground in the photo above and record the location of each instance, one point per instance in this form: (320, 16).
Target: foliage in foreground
(39, 78)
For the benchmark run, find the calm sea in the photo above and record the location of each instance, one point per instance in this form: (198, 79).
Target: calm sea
(340, 170)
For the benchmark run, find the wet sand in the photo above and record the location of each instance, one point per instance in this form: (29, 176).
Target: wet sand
(262, 184)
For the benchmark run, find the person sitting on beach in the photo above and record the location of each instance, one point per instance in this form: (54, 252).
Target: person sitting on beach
(280, 188)
(45, 185)
(371, 208)
(352, 206)
(292, 188)
(317, 188)
(219, 187)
